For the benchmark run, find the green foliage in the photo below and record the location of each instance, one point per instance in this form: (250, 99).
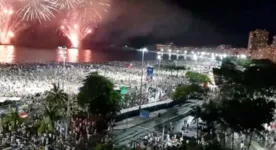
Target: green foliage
(247, 115)
(237, 61)
(255, 79)
(52, 111)
(54, 108)
(245, 96)
(171, 67)
(257, 72)
(99, 97)
(210, 114)
(12, 119)
(57, 95)
(184, 92)
(197, 78)
(244, 62)
(45, 126)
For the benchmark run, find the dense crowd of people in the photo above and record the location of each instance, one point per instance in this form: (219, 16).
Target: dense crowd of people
(30, 81)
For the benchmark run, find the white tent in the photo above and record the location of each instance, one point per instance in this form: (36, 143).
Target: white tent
(3, 99)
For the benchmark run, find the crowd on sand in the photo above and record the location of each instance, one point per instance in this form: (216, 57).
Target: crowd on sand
(30, 81)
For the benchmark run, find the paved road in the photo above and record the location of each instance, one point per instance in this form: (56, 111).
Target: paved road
(122, 138)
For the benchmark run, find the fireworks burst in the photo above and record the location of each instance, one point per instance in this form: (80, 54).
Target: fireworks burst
(75, 32)
(37, 9)
(81, 19)
(9, 23)
(66, 4)
(92, 10)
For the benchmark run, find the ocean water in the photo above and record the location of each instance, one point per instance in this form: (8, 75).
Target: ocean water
(11, 54)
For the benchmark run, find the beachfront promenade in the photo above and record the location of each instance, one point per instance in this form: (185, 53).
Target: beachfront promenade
(157, 103)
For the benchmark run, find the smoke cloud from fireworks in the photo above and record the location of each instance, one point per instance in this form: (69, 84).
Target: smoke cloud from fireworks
(150, 19)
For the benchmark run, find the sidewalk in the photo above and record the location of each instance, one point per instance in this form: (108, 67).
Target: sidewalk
(256, 146)
(145, 106)
(134, 121)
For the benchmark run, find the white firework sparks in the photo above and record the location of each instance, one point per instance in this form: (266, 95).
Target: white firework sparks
(66, 4)
(37, 9)
(10, 23)
(91, 10)
(81, 20)
(75, 30)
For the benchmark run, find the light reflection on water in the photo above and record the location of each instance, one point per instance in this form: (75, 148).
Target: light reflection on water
(7, 53)
(11, 54)
(87, 55)
(71, 55)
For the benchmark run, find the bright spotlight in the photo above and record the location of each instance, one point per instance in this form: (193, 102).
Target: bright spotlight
(159, 57)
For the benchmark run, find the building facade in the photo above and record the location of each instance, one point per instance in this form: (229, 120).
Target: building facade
(274, 40)
(258, 39)
(258, 45)
(268, 52)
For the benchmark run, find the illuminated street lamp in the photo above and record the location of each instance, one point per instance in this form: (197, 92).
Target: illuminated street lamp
(142, 73)
(195, 57)
(213, 56)
(159, 60)
(243, 56)
(64, 52)
(177, 54)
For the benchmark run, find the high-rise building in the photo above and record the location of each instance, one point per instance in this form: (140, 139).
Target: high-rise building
(258, 39)
(274, 40)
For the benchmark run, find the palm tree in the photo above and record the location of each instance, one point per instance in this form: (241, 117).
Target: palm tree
(13, 119)
(45, 125)
(52, 113)
(57, 95)
(196, 112)
(74, 103)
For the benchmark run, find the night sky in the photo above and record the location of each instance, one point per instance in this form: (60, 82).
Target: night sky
(188, 22)
(233, 19)
(185, 22)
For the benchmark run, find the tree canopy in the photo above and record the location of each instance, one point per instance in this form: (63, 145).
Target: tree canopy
(98, 96)
(246, 96)
(57, 95)
(237, 61)
(197, 78)
(248, 115)
(256, 79)
(183, 92)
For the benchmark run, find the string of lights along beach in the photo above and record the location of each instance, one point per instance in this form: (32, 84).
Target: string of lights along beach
(79, 17)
